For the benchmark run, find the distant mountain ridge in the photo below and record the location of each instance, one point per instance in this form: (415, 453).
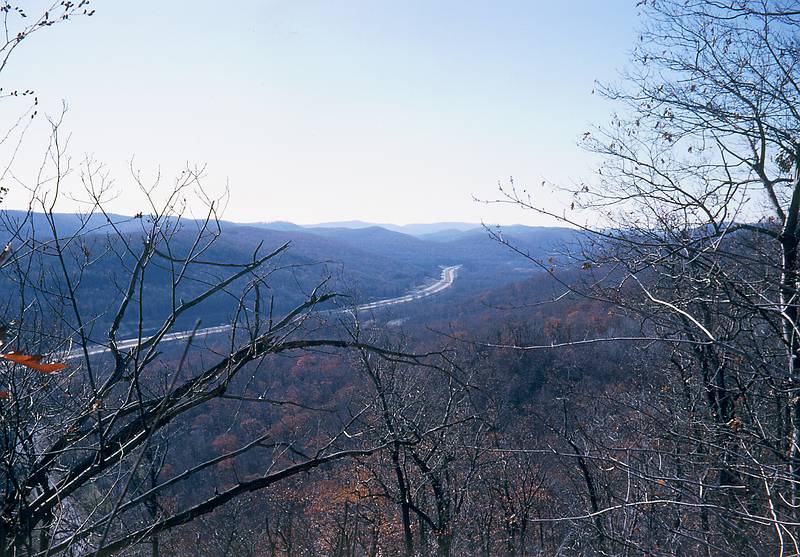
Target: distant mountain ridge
(361, 260)
(70, 223)
(413, 229)
(415, 246)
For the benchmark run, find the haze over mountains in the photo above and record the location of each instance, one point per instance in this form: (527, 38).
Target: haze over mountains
(419, 245)
(68, 223)
(414, 229)
(365, 261)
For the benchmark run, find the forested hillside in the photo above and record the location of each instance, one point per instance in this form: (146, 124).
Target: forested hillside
(622, 382)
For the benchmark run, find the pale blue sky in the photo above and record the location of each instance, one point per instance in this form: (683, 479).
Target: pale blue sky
(344, 109)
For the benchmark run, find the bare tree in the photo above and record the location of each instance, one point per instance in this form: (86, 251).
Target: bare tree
(698, 205)
(20, 23)
(432, 422)
(84, 437)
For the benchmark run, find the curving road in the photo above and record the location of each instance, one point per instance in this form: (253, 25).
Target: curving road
(446, 281)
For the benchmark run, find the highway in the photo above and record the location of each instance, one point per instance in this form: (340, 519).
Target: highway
(446, 280)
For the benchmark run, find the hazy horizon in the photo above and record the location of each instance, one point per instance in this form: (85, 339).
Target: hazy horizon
(310, 112)
(350, 223)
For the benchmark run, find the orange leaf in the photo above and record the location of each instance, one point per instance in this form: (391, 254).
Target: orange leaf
(33, 362)
(4, 394)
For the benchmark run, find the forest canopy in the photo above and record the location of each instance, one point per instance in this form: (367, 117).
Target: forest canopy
(172, 383)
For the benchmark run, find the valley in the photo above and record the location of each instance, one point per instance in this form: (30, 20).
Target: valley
(448, 276)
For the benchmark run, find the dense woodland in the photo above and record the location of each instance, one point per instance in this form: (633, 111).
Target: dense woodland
(624, 388)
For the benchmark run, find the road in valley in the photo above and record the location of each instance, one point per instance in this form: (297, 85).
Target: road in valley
(446, 280)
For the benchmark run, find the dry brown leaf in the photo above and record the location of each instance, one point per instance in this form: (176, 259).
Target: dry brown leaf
(33, 361)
